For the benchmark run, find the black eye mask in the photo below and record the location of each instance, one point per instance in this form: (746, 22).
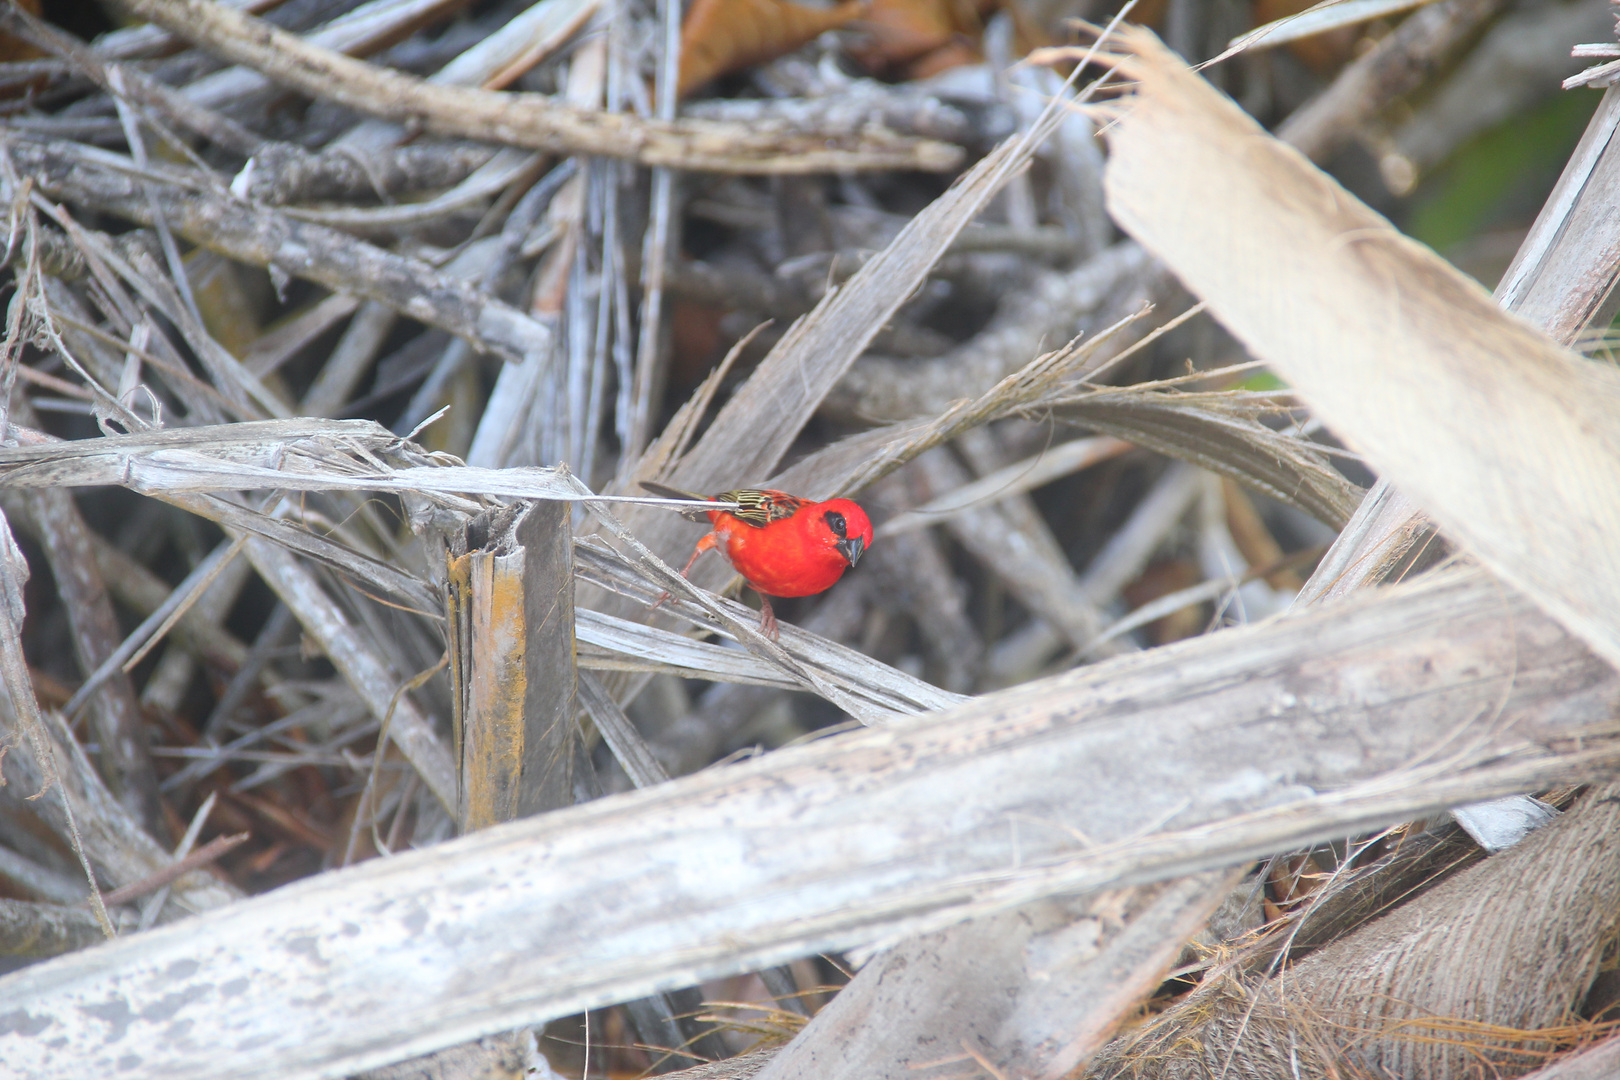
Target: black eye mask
(835, 522)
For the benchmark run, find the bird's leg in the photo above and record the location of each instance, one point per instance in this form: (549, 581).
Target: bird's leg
(703, 545)
(767, 617)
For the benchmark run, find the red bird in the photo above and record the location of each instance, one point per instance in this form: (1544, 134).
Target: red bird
(781, 544)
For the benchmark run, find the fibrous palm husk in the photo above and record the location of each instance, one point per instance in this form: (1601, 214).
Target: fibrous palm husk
(1472, 978)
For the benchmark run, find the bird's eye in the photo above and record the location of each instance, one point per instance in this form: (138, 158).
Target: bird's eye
(835, 521)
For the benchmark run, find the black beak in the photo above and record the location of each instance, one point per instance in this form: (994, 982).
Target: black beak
(852, 549)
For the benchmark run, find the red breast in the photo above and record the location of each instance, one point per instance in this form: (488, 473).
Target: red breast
(800, 554)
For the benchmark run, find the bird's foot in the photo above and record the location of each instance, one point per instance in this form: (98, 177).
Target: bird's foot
(767, 618)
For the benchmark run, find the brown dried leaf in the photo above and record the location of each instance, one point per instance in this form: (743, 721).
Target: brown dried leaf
(927, 35)
(15, 48)
(722, 36)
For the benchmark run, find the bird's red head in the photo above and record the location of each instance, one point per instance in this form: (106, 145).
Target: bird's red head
(849, 529)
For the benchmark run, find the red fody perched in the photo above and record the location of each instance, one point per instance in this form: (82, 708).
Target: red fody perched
(781, 544)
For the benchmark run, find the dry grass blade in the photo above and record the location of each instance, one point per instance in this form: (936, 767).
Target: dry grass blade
(129, 84)
(1117, 281)
(488, 180)
(868, 690)
(362, 664)
(1317, 19)
(859, 461)
(607, 643)
(259, 235)
(1567, 267)
(326, 455)
(121, 851)
(1373, 328)
(35, 741)
(1014, 479)
(116, 715)
(291, 455)
(631, 751)
(1222, 432)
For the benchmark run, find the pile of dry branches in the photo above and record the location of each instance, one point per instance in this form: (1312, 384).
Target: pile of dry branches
(348, 686)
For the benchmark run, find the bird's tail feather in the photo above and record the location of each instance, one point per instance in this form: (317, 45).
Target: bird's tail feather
(667, 492)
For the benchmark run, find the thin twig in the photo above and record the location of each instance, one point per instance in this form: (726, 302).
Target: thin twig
(175, 870)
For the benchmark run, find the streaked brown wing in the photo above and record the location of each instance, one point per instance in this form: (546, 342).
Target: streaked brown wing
(759, 508)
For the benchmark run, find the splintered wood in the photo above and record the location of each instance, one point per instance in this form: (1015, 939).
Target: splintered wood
(509, 599)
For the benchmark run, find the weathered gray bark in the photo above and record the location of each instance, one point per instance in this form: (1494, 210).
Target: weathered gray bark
(1137, 769)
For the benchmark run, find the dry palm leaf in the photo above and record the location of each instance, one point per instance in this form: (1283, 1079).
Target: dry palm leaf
(1220, 431)
(188, 465)
(852, 840)
(1431, 990)
(1511, 442)
(881, 691)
